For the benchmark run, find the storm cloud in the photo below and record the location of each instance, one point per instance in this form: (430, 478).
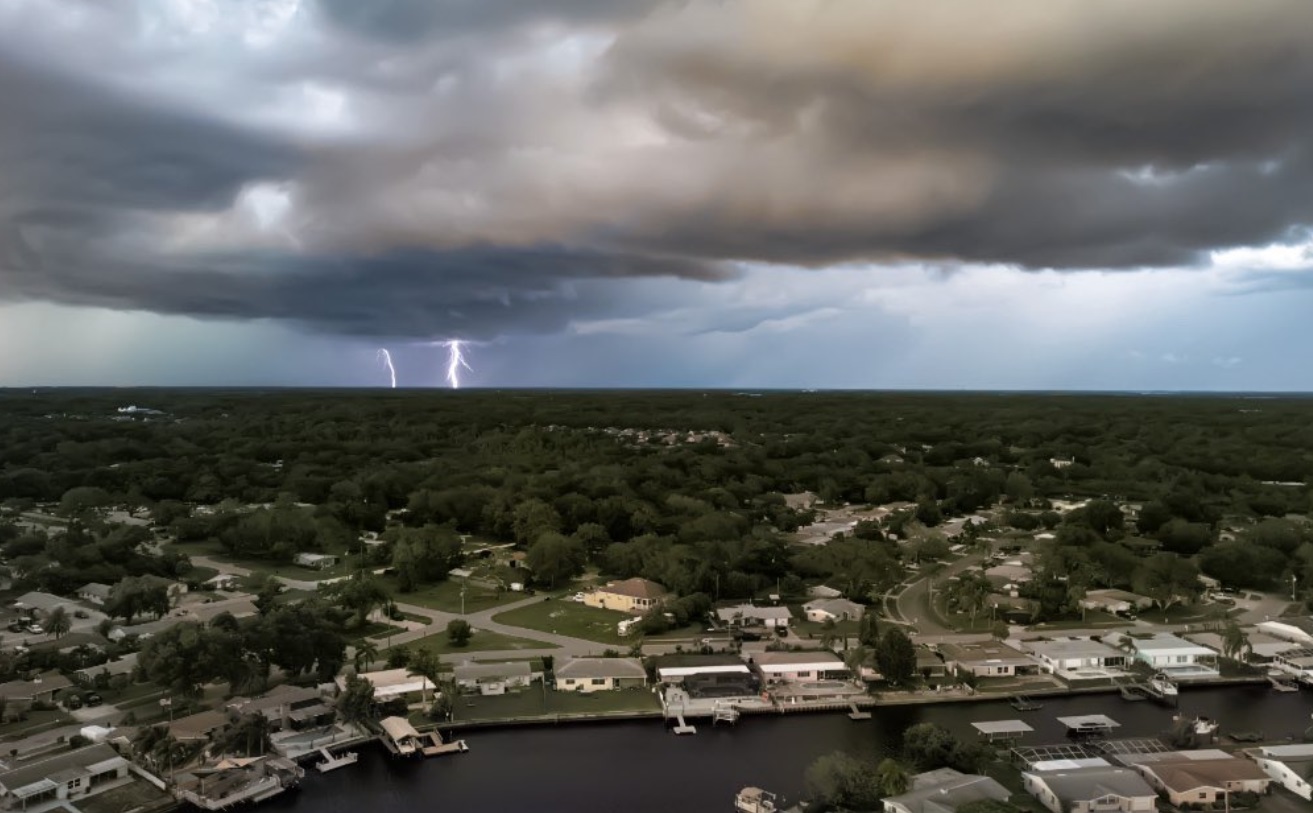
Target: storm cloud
(428, 169)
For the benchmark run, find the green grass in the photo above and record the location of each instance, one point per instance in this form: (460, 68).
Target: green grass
(568, 618)
(483, 641)
(1185, 613)
(371, 630)
(445, 596)
(346, 565)
(534, 702)
(38, 720)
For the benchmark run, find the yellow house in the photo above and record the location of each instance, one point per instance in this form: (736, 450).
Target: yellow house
(629, 596)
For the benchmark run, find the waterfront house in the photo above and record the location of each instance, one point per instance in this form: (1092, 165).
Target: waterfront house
(628, 596)
(1295, 630)
(833, 609)
(1088, 789)
(944, 791)
(94, 592)
(285, 707)
(1076, 657)
(400, 736)
(391, 684)
(929, 664)
(1117, 602)
(719, 673)
(1296, 662)
(1175, 656)
(198, 727)
(1198, 777)
(1290, 766)
(600, 674)
(800, 667)
(748, 615)
(315, 561)
(236, 781)
(1259, 648)
(987, 659)
(494, 678)
(68, 776)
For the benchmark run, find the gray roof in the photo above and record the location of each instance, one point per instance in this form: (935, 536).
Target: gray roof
(835, 606)
(28, 689)
(485, 671)
(95, 589)
(123, 666)
(68, 765)
(692, 660)
(1095, 782)
(747, 611)
(946, 790)
(1065, 648)
(602, 668)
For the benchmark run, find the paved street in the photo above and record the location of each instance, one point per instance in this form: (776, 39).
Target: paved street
(911, 605)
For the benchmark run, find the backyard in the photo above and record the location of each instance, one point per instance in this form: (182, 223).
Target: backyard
(568, 618)
(482, 641)
(445, 596)
(540, 702)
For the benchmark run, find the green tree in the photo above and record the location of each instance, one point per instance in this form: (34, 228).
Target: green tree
(365, 655)
(892, 777)
(928, 746)
(1234, 641)
(554, 558)
(356, 704)
(896, 657)
(58, 623)
(459, 632)
(844, 781)
(868, 630)
(427, 665)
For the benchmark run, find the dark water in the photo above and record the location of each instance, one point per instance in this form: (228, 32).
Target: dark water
(640, 768)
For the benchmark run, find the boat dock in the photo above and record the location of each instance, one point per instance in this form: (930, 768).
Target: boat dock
(1001, 730)
(857, 714)
(438, 748)
(1021, 702)
(1145, 691)
(330, 762)
(1282, 683)
(1089, 725)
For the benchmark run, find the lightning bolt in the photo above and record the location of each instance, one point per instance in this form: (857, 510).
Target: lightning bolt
(455, 361)
(386, 357)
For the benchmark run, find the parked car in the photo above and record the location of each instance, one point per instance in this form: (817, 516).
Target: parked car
(17, 627)
(81, 614)
(73, 702)
(92, 699)
(36, 629)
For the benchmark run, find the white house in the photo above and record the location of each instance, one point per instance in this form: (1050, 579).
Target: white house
(748, 615)
(800, 667)
(678, 667)
(833, 609)
(318, 561)
(988, 659)
(67, 776)
(1290, 765)
(1115, 601)
(494, 678)
(393, 683)
(1175, 656)
(1297, 662)
(943, 791)
(1074, 655)
(600, 674)
(94, 592)
(1094, 788)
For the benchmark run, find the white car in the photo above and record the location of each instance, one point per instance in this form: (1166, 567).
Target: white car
(36, 629)
(577, 597)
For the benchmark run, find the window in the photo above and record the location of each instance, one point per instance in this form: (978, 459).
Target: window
(599, 681)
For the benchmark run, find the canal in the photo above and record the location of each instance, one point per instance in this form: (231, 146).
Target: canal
(637, 767)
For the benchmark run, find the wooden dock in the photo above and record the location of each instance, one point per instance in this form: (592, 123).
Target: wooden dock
(439, 748)
(857, 714)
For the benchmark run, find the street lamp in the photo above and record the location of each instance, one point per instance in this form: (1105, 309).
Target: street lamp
(1293, 579)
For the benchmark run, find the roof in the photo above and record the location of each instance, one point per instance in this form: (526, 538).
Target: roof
(1064, 648)
(486, 671)
(43, 601)
(602, 668)
(398, 728)
(1166, 642)
(240, 607)
(1089, 720)
(750, 611)
(946, 790)
(825, 657)
(275, 698)
(635, 588)
(28, 689)
(1117, 595)
(1002, 727)
(94, 589)
(389, 682)
(70, 764)
(1182, 775)
(691, 663)
(1086, 784)
(982, 652)
(198, 726)
(835, 606)
(123, 666)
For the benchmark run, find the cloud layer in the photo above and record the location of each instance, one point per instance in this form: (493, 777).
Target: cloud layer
(428, 169)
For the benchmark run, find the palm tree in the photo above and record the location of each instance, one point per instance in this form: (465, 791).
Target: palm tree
(426, 665)
(1234, 641)
(892, 777)
(58, 623)
(366, 654)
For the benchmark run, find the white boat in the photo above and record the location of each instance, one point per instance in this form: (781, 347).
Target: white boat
(1163, 685)
(754, 800)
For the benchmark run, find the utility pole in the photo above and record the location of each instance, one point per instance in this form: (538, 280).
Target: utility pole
(1293, 578)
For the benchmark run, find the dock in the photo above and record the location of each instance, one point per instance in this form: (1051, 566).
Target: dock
(724, 713)
(1282, 683)
(1089, 725)
(1021, 702)
(1144, 691)
(332, 763)
(1001, 730)
(682, 726)
(438, 748)
(857, 714)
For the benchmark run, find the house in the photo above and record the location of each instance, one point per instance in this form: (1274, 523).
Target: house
(223, 581)
(237, 607)
(987, 659)
(1259, 647)
(680, 667)
(628, 596)
(1295, 630)
(317, 561)
(1009, 575)
(1291, 766)
(944, 791)
(1199, 777)
(833, 609)
(600, 674)
(285, 707)
(1094, 788)
(125, 665)
(747, 615)
(20, 695)
(146, 630)
(42, 603)
(929, 664)
(494, 678)
(94, 592)
(1069, 657)
(796, 667)
(1117, 602)
(1175, 656)
(198, 727)
(823, 591)
(67, 776)
(1297, 662)
(390, 684)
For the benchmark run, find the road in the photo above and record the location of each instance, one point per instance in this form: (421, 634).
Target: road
(911, 604)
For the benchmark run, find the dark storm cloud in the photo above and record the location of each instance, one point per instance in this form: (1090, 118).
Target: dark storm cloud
(409, 21)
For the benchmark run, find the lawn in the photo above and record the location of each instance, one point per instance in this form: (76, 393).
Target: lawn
(372, 630)
(445, 596)
(136, 796)
(346, 565)
(568, 618)
(38, 720)
(483, 641)
(540, 702)
(1188, 613)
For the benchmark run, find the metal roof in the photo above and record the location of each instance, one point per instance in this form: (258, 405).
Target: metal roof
(992, 727)
(1089, 721)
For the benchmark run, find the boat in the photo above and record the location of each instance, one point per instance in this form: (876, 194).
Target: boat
(1022, 703)
(1163, 686)
(755, 800)
(1282, 682)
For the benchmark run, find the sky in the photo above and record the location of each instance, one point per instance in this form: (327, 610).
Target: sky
(875, 194)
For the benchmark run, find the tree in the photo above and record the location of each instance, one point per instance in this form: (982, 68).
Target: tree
(554, 557)
(868, 630)
(356, 705)
(843, 781)
(1234, 641)
(896, 657)
(892, 777)
(928, 746)
(58, 623)
(424, 555)
(1168, 579)
(366, 654)
(459, 632)
(427, 665)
